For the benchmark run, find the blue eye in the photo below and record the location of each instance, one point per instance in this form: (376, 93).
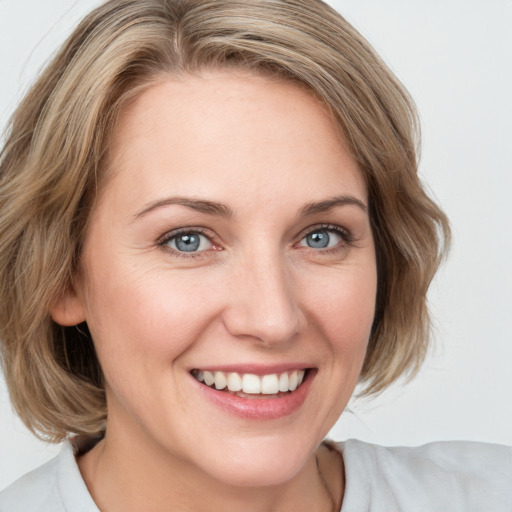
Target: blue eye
(321, 239)
(189, 242)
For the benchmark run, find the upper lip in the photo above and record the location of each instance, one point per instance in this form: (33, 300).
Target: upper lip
(255, 369)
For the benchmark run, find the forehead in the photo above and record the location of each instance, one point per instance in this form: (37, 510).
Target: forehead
(229, 134)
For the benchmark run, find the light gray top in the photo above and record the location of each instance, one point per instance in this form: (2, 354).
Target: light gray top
(445, 476)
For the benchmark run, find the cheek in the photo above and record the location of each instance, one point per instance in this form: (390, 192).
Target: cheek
(151, 314)
(343, 315)
(345, 309)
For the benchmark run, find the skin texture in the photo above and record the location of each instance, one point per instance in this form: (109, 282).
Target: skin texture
(254, 293)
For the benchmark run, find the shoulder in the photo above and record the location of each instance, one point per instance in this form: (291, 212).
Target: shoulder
(56, 486)
(36, 490)
(464, 476)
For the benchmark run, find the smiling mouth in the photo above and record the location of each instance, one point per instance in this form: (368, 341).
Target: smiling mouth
(249, 385)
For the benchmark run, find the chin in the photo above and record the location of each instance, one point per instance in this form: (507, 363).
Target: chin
(258, 462)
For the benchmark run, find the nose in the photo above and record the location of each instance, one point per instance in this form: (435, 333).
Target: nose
(263, 302)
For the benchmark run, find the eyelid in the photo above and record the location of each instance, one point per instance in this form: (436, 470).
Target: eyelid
(343, 232)
(180, 231)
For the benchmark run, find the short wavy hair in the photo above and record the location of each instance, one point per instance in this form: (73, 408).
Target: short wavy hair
(53, 159)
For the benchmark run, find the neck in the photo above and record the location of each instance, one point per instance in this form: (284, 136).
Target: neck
(142, 478)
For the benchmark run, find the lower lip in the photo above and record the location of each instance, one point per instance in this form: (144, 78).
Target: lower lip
(259, 408)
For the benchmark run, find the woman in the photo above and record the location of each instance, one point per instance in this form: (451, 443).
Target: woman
(212, 230)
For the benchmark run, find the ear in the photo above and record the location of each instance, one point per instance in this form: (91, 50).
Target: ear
(68, 310)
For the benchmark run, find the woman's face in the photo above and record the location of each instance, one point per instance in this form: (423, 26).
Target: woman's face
(232, 239)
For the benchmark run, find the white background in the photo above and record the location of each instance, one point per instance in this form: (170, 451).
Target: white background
(455, 57)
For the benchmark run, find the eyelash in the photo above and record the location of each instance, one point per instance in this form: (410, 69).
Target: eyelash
(347, 239)
(168, 237)
(345, 235)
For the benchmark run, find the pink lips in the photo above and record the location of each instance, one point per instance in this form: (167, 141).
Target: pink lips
(259, 407)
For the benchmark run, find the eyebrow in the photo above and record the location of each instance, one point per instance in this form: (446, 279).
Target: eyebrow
(200, 205)
(214, 208)
(328, 204)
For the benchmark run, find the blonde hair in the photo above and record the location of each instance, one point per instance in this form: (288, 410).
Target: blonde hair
(53, 160)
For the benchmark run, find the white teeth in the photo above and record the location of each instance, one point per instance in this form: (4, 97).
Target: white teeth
(270, 384)
(220, 380)
(234, 382)
(208, 377)
(283, 382)
(250, 383)
(293, 381)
